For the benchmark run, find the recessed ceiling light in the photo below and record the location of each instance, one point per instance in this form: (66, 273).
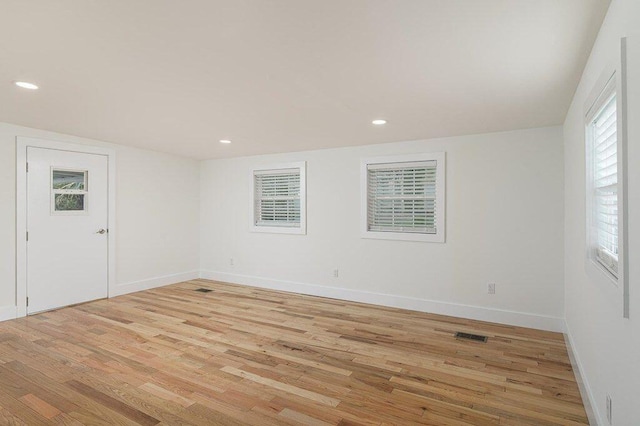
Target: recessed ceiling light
(225, 141)
(26, 85)
(379, 122)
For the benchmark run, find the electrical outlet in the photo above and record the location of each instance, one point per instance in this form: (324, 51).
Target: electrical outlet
(609, 410)
(231, 261)
(335, 273)
(491, 288)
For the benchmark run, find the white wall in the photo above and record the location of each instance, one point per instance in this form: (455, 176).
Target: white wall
(607, 346)
(157, 205)
(504, 225)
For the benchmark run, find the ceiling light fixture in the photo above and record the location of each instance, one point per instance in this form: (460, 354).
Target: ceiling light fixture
(227, 141)
(379, 122)
(26, 85)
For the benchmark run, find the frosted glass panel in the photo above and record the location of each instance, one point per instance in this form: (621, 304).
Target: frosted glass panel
(73, 180)
(69, 202)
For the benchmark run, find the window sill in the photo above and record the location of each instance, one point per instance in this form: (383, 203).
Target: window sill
(279, 230)
(404, 236)
(603, 271)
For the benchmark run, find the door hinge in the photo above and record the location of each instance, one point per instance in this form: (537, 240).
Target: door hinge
(27, 301)
(27, 167)
(27, 235)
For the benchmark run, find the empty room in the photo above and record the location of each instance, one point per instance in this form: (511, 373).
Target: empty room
(320, 212)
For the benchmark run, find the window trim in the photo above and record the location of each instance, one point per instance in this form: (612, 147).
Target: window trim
(84, 192)
(299, 230)
(608, 84)
(599, 104)
(439, 236)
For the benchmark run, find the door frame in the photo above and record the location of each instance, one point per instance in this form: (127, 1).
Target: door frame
(22, 143)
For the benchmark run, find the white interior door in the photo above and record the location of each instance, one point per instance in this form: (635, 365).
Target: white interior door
(67, 219)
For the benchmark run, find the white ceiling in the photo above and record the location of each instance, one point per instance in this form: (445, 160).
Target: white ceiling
(290, 75)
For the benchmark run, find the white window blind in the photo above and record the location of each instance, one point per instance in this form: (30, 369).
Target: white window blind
(277, 197)
(401, 197)
(605, 183)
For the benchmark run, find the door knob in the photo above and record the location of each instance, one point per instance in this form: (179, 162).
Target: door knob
(101, 231)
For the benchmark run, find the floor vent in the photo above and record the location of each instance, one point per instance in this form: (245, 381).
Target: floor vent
(469, 336)
(204, 290)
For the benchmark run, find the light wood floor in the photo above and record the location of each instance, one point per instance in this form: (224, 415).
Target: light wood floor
(240, 355)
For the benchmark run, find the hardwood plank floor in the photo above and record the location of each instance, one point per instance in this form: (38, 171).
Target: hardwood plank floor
(241, 355)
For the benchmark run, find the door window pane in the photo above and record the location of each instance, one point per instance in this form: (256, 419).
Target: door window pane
(69, 180)
(68, 191)
(69, 202)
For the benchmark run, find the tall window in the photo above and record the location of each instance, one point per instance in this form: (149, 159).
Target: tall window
(602, 149)
(403, 198)
(279, 199)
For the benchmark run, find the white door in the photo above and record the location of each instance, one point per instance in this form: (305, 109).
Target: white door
(67, 219)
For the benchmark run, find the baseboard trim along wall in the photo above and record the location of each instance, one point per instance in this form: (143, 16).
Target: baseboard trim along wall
(150, 283)
(521, 319)
(585, 390)
(8, 312)
(11, 312)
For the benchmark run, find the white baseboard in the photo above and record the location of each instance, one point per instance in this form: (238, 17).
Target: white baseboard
(521, 319)
(11, 312)
(8, 312)
(150, 283)
(585, 390)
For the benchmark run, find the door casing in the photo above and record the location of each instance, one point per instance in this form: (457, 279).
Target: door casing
(21, 210)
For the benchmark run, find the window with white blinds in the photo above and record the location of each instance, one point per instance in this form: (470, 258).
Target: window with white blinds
(405, 199)
(402, 197)
(278, 199)
(602, 132)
